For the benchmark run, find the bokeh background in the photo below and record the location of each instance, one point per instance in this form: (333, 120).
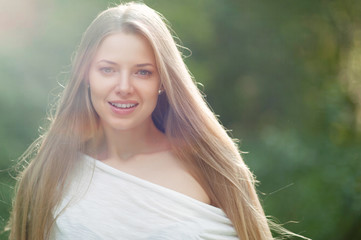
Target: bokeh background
(284, 75)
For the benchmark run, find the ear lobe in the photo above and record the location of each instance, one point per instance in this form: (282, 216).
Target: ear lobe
(161, 89)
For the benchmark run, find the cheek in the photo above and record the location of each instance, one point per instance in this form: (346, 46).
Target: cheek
(98, 93)
(152, 95)
(148, 90)
(95, 100)
(151, 88)
(95, 94)
(98, 87)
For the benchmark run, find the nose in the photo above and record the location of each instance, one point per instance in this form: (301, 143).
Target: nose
(124, 85)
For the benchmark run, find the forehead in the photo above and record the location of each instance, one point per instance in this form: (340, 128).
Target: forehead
(125, 48)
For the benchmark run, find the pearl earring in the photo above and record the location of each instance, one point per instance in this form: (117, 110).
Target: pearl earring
(160, 91)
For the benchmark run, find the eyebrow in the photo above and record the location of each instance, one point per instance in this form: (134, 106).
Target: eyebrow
(144, 65)
(138, 65)
(110, 62)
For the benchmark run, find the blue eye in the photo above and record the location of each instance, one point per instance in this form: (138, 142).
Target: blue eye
(107, 70)
(144, 72)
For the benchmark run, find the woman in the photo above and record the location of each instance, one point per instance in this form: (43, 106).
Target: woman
(133, 151)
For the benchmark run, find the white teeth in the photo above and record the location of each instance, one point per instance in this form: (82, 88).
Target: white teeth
(120, 105)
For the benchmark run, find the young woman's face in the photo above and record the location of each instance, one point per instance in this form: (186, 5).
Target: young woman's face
(124, 81)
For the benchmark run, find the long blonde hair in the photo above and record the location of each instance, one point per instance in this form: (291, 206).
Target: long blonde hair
(181, 113)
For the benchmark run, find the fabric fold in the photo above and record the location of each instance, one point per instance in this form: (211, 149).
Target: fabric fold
(105, 203)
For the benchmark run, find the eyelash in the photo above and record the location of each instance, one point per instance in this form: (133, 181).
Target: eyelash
(110, 70)
(106, 70)
(144, 72)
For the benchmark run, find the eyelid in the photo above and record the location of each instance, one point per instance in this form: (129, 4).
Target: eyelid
(104, 69)
(146, 71)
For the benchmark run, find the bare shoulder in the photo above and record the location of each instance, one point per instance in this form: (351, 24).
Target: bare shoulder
(170, 172)
(180, 179)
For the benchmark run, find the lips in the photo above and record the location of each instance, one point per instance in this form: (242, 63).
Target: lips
(123, 105)
(123, 108)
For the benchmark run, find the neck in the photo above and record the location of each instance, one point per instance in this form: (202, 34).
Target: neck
(125, 144)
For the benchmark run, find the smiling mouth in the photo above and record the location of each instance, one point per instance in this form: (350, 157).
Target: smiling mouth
(123, 105)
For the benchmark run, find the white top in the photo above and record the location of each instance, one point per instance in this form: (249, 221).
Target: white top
(106, 203)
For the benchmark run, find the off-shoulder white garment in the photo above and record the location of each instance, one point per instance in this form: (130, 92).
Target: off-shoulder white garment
(106, 203)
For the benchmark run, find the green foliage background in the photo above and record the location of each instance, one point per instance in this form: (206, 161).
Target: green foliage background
(284, 75)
